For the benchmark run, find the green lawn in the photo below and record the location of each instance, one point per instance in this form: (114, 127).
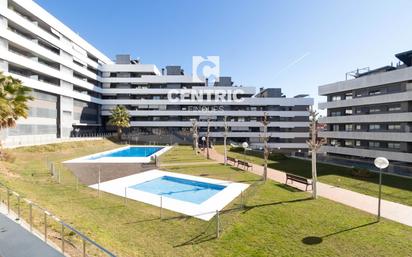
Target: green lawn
(274, 222)
(396, 189)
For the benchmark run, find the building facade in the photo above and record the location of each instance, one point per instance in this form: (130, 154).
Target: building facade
(75, 86)
(371, 115)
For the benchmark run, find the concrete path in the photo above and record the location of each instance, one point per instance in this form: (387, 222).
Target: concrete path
(389, 210)
(15, 241)
(186, 163)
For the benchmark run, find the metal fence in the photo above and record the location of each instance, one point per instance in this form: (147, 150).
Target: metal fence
(49, 227)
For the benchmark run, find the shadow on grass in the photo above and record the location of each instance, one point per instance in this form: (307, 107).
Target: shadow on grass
(288, 188)
(251, 207)
(314, 240)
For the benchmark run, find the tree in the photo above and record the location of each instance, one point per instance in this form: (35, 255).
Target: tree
(120, 118)
(14, 97)
(314, 144)
(266, 149)
(195, 135)
(226, 132)
(207, 138)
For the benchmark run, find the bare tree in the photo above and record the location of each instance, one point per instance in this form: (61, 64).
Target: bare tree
(314, 144)
(207, 138)
(195, 135)
(265, 139)
(225, 139)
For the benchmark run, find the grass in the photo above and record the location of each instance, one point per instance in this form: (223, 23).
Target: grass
(396, 189)
(275, 221)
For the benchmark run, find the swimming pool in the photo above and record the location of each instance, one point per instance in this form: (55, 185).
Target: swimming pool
(181, 189)
(195, 196)
(127, 154)
(131, 151)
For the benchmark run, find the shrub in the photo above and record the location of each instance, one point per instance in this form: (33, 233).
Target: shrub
(362, 173)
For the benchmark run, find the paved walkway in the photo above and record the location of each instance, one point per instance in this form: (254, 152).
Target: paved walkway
(389, 210)
(186, 163)
(15, 241)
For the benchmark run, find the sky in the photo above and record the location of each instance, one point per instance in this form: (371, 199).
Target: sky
(294, 45)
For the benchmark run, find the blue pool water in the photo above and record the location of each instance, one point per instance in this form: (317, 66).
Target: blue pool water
(132, 151)
(180, 189)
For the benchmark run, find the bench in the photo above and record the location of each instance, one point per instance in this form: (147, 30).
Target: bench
(231, 159)
(299, 179)
(244, 164)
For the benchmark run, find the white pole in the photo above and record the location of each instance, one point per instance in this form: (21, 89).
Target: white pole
(380, 194)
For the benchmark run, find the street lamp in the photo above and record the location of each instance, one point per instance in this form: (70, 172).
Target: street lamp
(245, 145)
(203, 139)
(381, 163)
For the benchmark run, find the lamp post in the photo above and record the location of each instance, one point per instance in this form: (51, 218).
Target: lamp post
(203, 140)
(381, 163)
(245, 145)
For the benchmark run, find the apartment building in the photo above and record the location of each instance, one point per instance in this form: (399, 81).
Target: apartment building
(371, 115)
(75, 86)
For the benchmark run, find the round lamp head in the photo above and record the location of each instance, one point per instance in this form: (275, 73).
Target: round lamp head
(203, 138)
(381, 162)
(245, 145)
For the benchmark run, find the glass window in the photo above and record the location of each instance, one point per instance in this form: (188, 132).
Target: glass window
(348, 112)
(336, 98)
(394, 108)
(375, 92)
(394, 127)
(394, 145)
(374, 126)
(348, 127)
(373, 144)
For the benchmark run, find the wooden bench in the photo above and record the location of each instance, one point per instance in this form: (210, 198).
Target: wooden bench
(299, 179)
(244, 164)
(231, 159)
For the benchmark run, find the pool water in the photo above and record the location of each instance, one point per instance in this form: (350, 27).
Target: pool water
(132, 151)
(180, 189)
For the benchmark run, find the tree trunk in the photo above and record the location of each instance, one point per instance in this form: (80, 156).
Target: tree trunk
(314, 176)
(119, 133)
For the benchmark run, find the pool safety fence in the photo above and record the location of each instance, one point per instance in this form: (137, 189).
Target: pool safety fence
(47, 226)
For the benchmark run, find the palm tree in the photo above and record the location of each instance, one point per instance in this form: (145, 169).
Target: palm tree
(13, 101)
(120, 118)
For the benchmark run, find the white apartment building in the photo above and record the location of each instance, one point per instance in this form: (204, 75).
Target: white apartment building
(75, 86)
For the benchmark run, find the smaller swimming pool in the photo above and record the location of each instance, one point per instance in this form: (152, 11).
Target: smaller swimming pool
(180, 189)
(195, 196)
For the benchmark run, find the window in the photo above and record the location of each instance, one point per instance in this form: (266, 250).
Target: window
(336, 97)
(349, 127)
(394, 108)
(334, 142)
(348, 112)
(375, 92)
(358, 127)
(335, 127)
(374, 126)
(358, 143)
(374, 109)
(394, 145)
(394, 127)
(373, 144)
(348, 96)
(348, 143)
(335, 113)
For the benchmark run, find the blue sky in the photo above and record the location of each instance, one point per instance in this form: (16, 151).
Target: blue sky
(295, 45)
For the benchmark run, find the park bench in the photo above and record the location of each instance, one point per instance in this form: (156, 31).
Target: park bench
(231, 159)
(299, 179)
(244, 164)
